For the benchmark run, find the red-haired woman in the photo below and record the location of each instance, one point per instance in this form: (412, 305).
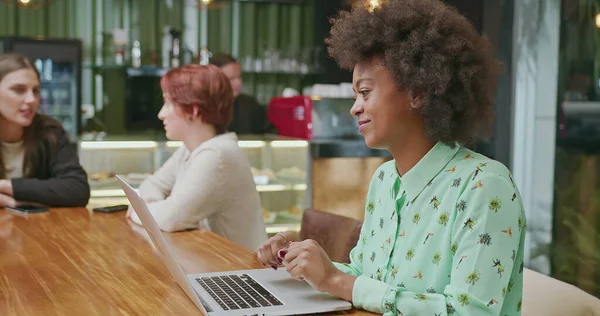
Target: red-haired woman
(207, 182)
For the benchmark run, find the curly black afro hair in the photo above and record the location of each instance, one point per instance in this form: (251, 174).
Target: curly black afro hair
(434, 52)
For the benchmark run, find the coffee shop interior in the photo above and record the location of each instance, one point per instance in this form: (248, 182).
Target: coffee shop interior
(103, 86)
(101, 62)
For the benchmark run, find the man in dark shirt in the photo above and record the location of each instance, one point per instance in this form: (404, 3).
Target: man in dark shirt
(249, 117)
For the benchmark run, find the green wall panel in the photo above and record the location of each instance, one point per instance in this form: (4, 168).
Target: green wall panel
(248, 39)
(7, 20)
(274, 26)
(58, 25)
(220, 30)
(146, 29)
(62, 19)
(32, 22)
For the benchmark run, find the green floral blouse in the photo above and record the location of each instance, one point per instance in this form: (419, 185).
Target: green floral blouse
(444, 239)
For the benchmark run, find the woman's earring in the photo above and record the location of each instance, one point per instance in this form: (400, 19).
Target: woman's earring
(190, 118)
(415, 103)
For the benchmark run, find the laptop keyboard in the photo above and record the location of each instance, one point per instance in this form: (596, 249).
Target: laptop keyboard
(237, 292)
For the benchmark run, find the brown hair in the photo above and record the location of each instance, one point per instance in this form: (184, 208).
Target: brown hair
(432, 50)
(40, 138)
(222, 59)
(204, 87)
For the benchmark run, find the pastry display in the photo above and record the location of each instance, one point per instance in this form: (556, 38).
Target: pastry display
(268, 217)
(282, 187)
(293, 173)
(263, 176)
(101, 176)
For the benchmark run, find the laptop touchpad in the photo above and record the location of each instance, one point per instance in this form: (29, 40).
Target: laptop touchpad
(290, 284)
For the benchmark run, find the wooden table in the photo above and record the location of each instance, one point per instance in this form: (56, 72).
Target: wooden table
(76, 262)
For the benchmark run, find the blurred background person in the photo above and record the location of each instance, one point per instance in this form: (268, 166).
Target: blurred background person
(249, 117)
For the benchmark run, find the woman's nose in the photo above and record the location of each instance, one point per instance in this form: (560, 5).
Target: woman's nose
(30, 97)
(161, 114)
(356, 108)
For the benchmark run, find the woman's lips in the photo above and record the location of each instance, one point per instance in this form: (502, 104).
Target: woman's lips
(26, 113)
(362, 125)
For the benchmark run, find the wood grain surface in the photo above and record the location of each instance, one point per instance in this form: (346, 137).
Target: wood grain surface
(73, 261)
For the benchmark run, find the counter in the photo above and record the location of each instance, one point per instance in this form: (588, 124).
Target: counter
(290, 174)
(345, 147)
(278, 165)
(340, 171)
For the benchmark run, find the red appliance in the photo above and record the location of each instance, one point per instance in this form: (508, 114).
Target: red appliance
(292, 116)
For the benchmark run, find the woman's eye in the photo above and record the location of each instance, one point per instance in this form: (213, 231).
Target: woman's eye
(19, 90)
(363, 92)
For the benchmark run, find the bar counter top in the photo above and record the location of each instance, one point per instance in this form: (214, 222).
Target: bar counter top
(354, 147)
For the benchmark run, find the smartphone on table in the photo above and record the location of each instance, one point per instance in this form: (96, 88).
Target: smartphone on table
(25, 210)
(111, 209)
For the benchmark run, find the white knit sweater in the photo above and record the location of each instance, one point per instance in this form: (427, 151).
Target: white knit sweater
(211, 187)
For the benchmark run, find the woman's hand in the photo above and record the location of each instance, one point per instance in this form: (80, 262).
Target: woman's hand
(7, 200)
(267, 253)
(130, 209)
(306, 260)
(6, 187)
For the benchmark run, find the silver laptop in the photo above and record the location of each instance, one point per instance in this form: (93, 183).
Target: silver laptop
(243, 292)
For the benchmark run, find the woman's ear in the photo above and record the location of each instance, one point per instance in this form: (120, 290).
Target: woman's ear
(416, 101)
(195, 112)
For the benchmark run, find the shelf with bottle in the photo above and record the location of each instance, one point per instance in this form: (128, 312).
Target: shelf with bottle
(104, 66)
(293, 61)
(150, 70)
(57, 111)
(145, 70)
(280, 73)
(57, 81)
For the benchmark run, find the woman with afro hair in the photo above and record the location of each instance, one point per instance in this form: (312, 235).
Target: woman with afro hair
(444, 226)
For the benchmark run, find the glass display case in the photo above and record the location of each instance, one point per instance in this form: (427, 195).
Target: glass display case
(278, 164)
